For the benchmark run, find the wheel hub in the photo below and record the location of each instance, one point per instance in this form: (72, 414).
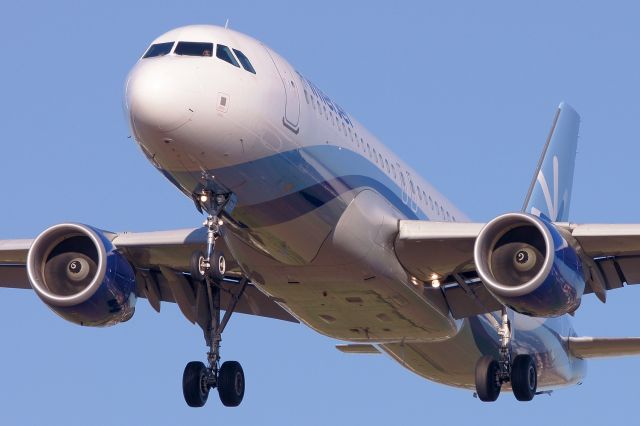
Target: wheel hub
(238, 383)
(532, 378)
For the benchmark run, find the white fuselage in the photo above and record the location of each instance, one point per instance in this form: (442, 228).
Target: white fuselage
(316, 200)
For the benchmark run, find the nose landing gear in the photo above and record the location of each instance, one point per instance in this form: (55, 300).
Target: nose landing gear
(491, 374)
(198, 379)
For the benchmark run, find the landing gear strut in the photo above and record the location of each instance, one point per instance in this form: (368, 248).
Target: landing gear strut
(491, 374)
(198, 379)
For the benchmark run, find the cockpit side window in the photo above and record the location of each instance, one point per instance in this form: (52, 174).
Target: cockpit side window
(224, 53)
(244, 61)
(192, 48)
(159, 49)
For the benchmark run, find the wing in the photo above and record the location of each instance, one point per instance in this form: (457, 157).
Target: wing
(13, 257)
(601, 347)
(161, 260)
(615, 250)
(444, 250)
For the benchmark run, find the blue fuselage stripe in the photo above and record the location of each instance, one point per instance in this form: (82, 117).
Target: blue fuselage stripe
(284, 186)
(296, 204)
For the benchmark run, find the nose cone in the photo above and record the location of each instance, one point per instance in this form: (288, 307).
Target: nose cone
(159, 94)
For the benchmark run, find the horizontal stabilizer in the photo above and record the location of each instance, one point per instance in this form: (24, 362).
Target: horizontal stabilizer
(358, 348)
(602, 347)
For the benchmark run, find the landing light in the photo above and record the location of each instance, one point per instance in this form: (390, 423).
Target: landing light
(435, 280)
(204, 198)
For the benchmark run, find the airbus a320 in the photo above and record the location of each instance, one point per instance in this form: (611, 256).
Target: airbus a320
(311, 219)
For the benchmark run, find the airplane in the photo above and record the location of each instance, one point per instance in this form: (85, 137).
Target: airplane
(311, 219)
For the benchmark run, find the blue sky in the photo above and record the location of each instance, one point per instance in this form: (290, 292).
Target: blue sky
(464, 91)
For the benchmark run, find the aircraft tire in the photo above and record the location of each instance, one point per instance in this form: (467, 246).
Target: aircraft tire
(193, 384)
(231, 383)
(194, 266)
(218, 266)
(487, 385)
(524, 378)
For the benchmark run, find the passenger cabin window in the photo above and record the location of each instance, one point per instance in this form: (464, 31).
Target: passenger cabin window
(192, 48)
(159, 49)
(224, 53)
(244, 61)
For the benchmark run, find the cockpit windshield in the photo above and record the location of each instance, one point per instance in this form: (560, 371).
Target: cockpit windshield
(159, 49)
(225, 54)
(203, 49)
(245, 61)
(191, 48)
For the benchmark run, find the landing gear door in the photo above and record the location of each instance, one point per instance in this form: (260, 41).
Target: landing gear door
(291, 118)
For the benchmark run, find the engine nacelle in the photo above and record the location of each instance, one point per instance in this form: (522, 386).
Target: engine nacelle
(529, 266)
(76, 271)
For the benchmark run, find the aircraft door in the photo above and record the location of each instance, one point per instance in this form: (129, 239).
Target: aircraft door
(291, 118)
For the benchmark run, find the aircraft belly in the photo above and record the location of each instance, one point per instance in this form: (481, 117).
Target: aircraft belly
(449, 362)
(354, 288)
(452, 361)
(356, 310)
(346, 302)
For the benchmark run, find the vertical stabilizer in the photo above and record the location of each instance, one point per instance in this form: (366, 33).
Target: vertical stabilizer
(549, 194)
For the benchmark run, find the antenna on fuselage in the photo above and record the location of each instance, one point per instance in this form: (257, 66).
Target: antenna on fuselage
(226, 24)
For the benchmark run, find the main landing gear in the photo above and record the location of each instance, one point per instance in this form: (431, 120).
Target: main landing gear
(492, 373)
(199, 378)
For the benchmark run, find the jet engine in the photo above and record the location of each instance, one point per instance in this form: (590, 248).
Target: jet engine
(76, 271)
(527, 265)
